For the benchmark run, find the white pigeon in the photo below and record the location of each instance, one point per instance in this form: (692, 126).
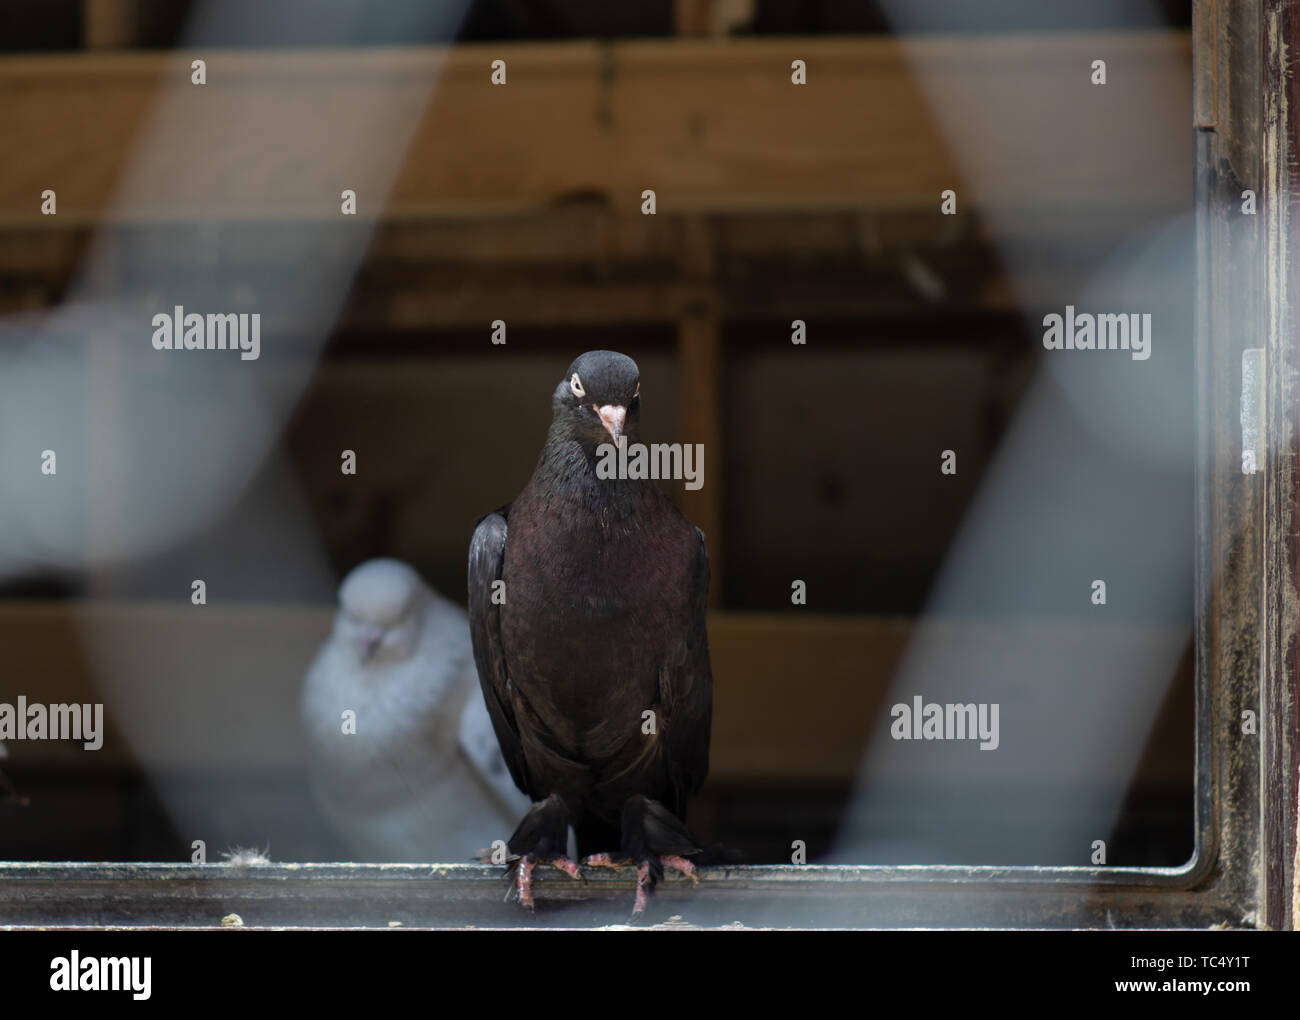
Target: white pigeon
(402, 758)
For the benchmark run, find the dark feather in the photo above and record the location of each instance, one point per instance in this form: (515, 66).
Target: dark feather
(487, 551)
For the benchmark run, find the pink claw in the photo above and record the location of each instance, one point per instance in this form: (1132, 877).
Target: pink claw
(525, 885)
(567, 866)
(642, 889)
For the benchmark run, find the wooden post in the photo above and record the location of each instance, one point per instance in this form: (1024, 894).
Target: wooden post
(691, 17)
(109, 24)
(699, 373)
(107, 462)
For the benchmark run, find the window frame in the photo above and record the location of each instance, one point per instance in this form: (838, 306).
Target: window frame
(1242, 871)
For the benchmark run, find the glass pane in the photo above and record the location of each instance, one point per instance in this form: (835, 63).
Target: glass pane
(911, 283)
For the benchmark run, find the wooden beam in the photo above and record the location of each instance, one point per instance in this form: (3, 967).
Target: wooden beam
(594, 267)
(567, 266)
(711, 125)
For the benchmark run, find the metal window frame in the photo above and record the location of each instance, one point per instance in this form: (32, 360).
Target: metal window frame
(1242, 871)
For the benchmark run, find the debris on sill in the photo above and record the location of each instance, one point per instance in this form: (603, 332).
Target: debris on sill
(675, 923)
(244, 857)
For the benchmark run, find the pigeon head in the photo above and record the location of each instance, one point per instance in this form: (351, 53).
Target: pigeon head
(598, 400)
(379, 614)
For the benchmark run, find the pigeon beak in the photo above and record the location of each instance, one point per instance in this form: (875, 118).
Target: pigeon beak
(612, 417)
(369, 640)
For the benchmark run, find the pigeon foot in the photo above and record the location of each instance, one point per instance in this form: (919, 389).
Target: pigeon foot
(683, 865)
(606, 861)
(521, 889)
(656, 839)
(539, 839)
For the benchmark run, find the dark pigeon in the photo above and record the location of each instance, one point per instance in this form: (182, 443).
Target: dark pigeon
(602, 621)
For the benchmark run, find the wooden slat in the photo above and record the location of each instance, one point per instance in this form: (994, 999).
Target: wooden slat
(711, 125)
(573, 266)
(216, 687)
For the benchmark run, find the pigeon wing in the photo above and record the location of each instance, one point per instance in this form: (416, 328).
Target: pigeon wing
(487, 554)
(686, 692)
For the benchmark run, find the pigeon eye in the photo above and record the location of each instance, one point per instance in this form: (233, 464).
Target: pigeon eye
(575, 384)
